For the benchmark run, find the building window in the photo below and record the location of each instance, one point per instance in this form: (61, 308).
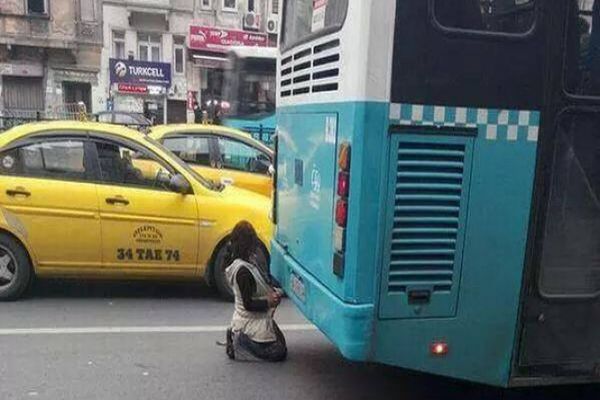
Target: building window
(251, 7)
(37, 7)
(149, 46)
(274, 6)
(118, 44)
(206, 4)
(230, 5)
(179, 54)
(87, 10)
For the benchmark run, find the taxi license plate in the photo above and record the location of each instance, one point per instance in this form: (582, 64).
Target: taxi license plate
(298, 287)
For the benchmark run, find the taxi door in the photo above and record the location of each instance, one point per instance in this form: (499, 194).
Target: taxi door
(48, 196)
(244, 166)
(147, 229)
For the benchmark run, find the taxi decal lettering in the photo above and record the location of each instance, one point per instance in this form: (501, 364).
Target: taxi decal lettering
(145, 254)
(148, 234)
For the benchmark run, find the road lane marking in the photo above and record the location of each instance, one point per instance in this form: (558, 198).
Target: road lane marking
(137, 329)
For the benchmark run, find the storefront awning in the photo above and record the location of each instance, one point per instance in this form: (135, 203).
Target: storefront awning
(215, 61)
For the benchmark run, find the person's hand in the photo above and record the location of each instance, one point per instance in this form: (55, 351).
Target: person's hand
(273, 299)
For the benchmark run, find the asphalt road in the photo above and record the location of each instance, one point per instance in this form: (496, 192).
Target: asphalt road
(144, 341)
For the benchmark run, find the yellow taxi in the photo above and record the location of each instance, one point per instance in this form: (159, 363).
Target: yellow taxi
(225, 155)
(92, 200)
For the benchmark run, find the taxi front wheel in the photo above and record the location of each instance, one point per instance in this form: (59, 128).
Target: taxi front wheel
(15, 268)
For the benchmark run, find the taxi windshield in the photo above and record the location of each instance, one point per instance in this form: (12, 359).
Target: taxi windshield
(205, 182)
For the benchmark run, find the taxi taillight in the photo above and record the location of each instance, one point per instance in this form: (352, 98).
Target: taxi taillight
(341, 209)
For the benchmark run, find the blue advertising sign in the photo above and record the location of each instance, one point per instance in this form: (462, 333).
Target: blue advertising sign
(140, 72)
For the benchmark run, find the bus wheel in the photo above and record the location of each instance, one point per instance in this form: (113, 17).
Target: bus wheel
(15, 269)
(221, 263)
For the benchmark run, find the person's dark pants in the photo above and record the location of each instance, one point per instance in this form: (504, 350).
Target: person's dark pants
(272, 351)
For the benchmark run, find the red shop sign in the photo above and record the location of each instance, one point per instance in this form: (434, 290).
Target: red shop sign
(128, 88)
(216, 39)
(191, 99)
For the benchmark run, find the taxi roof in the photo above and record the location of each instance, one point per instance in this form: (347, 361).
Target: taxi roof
(160, 131)
(59, 127)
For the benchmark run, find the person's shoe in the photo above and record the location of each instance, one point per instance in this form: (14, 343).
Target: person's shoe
(229, 345)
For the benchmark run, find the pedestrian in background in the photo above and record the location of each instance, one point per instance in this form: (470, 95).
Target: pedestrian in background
(197, 111)
(253, 335)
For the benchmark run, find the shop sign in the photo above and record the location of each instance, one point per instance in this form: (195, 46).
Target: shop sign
(191, 99)
(218, 40)
(139, 72)
(21, 69)
(129, 88)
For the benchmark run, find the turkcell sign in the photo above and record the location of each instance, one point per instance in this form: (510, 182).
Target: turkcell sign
(139, 72)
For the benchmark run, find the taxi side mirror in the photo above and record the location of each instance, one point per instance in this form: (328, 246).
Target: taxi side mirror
(271, 170)
(179, 184)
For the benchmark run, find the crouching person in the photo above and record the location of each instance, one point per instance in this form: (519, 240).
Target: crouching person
(253, 334)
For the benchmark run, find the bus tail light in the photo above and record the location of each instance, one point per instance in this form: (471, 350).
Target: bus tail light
(344, 157)
(341, 209)
(341, 213)
(438, 349)
(343, 187)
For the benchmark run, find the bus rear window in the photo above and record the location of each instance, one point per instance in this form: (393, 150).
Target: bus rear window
(493, 16)
(305, 18)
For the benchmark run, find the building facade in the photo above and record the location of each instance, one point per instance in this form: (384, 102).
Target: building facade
(50, 54)
(146, 40)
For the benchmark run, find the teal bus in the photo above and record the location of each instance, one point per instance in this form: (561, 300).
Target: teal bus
(249, 90)
(437, 194)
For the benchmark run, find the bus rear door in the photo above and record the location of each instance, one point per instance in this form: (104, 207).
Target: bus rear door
(562, 303)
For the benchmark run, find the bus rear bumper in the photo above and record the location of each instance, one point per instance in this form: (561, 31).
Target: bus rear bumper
(348, 326)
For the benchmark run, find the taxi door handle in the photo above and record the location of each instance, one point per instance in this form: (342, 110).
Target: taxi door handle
(117, 200)
(227, 181)
(19, 191)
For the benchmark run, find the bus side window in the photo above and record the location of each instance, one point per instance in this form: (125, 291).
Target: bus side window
(582, 75)
(499, 16)
(464, 14)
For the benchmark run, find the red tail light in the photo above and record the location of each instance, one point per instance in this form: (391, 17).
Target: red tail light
(438, 349)
(341, 212)
(341, 209)
(343, 184)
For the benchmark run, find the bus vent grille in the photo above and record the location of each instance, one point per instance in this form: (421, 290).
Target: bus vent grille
(311, 70)
(427, 205)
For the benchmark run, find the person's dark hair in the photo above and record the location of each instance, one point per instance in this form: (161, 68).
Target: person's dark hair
(243, 241)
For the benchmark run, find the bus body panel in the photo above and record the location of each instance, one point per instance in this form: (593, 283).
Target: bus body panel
(307, 233)
(348, 326)
(481, 336)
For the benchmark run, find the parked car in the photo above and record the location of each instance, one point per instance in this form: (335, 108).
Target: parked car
(90, 200)
(129, 119)
(225, 155)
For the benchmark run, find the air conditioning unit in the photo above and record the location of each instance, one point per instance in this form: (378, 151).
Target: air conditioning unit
(251, 21)
(273, 25)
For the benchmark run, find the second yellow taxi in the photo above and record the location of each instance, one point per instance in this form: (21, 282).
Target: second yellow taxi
(225, 155)
(90, 200)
